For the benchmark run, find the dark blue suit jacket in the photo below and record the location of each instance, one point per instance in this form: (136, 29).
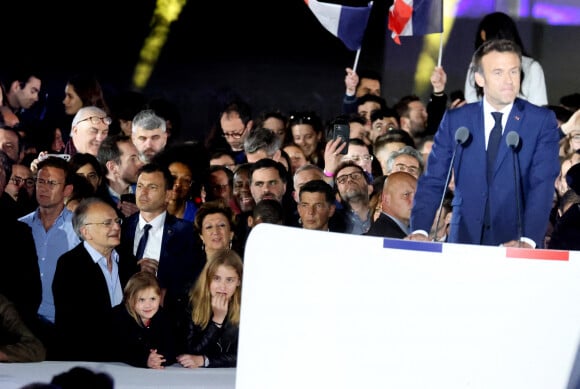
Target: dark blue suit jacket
(386, 227)
(179, 265)
(83, 306)
(538, 165)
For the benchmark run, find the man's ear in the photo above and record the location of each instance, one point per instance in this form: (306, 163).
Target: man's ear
(250, 221)
(479, 80)
(332, 210)
(405, 123)
(15, 86)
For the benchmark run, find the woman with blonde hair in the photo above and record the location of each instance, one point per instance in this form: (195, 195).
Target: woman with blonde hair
(215, 301)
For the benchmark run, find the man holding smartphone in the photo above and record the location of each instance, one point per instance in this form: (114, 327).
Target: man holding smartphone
(120, 161)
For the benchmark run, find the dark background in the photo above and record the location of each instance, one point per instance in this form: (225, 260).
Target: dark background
(275, 54)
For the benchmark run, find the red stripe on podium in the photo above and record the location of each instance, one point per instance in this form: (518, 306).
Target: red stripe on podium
(556, 255)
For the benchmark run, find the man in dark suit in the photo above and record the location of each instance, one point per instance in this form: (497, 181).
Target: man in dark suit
(88, 283)
(20, 275)
(170, 250)
(486, 207)
(396, 203)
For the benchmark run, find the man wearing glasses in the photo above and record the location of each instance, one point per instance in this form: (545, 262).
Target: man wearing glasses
(236, 122)
(354, 189)
(408, 159)
(88, 282)
(52, 230)
(89, 127)
(20, 187)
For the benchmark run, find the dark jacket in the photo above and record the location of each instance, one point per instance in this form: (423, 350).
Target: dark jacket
(83, 306)
(219, 345)
(132, 342)
(20, 275)
(567, 230)
(386, 227)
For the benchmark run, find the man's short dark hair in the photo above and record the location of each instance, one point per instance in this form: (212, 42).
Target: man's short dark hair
(319, 186)
(267, 163)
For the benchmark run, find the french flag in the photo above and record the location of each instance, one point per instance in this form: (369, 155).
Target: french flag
(415, 17)
(346, 23)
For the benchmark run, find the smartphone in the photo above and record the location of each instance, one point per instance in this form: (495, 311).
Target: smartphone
(342, 130)
(128, 197)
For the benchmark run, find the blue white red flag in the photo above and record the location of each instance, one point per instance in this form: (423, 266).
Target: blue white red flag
(344, 22)
(415, 17)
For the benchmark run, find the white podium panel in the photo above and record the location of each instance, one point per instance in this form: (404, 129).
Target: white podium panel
(329, 310)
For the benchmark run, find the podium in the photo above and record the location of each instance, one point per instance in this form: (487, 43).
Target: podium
(331, 310)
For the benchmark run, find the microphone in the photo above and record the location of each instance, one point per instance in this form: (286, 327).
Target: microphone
(513, 142)
(461, 136)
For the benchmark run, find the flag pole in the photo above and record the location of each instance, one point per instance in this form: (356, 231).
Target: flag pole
(356, 60)
(440, 49)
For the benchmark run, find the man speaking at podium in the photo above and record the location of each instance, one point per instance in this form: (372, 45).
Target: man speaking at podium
(504, 154)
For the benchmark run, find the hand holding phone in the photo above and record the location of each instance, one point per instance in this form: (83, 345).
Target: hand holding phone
(341, 130)
(128, 197)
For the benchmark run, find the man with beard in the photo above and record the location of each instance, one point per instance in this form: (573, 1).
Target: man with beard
(412, 116)
(268, 181)
(149, 134)
(119, 160)
(354, 190)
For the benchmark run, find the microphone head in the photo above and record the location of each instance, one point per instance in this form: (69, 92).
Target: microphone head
(512, 139)
(461, 135)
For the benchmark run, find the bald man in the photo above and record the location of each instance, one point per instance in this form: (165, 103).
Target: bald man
(396, 201)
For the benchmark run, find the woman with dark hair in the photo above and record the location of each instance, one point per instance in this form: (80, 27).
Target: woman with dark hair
(83, 90)
(498, 25)
(215, 226)
(307, 131)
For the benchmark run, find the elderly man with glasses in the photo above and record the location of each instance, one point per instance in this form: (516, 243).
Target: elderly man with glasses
(89, 281)
(89, 127)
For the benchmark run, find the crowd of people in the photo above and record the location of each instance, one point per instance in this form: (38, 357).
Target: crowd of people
(130, 241)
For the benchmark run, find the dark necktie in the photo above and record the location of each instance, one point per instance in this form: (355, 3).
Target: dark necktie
(493, 144)
(143, 241)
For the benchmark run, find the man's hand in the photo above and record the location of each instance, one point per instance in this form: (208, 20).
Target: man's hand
(332, 155)
(517, 243)
(148, 265)
(127, 208)
(350, 81)
(418, 237)
(438, 79)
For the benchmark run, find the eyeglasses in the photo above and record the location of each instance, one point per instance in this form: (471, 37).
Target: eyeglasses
(29, 182)
(97, 120)
(357, 158)
(235, 135)
(401, 167)
(108, 223)
(51, 183)
(355, 176)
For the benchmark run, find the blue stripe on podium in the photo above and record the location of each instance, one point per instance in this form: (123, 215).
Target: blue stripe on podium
(402, 244)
